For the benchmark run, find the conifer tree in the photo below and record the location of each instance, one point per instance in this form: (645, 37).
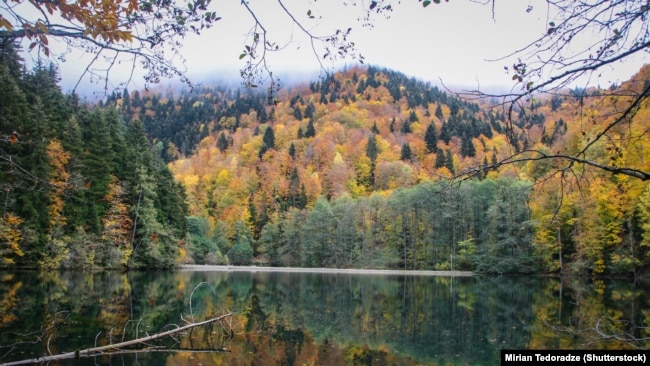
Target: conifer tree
(311, 131)
(292, 151)
(449, 162)
(309, 111)
(445, 133)
(269, 138)
(406, 152)
(438, 112)
(431, 138)
(440, 159)
(372, 150)
(413, 117)
(294, 187)
(467, 148)
(297, 113)
(374, 128)
(222, 142)
(406, 127)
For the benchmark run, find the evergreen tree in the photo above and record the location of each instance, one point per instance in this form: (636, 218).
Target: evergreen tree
(297, 113)
(438, 112)
(431, 138)
(413, 117)
(88, 207)
(445, 133)
(449, 162)
(311, 131)
(406, 152)
(361, 87)
(372, 150)
(302, 200)
(494, 161)
(392, 125)
(467, 148)
(374, 128)
(406, 127)
(222, 142)
(292, 151)
(294, 187)
(309, 111)
(269, 137)
(440, 159)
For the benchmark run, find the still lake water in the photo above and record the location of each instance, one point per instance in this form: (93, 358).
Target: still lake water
(312, 318)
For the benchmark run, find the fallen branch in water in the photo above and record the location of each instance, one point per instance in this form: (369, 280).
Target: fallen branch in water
(112, 348)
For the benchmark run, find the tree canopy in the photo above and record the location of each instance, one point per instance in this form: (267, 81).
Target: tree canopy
(150, 33)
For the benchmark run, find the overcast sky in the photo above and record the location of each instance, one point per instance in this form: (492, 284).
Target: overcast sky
(456, 42)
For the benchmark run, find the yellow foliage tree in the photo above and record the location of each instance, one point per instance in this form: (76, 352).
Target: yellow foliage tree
(10, 237)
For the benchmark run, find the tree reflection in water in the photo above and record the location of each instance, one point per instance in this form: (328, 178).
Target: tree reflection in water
(309, 318)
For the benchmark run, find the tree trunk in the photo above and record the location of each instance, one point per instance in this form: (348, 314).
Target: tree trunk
(98, 351)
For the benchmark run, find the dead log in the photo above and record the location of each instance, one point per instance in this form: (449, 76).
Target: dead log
(111, 348)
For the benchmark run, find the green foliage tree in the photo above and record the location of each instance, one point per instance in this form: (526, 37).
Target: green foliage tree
(318, 243)
(241, 253)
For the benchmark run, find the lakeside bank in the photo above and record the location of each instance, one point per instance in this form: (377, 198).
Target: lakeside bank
(214, 268)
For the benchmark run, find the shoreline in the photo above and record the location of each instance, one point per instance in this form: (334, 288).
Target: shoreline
(253, 269)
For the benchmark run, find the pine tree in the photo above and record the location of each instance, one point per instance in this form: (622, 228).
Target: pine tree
(372, 150)
(309, 111)
(222, 142)
(440, 159)
(297, 113)
(311, 131)
(374, 128)
(302, 200)
(438, 112)
(413, 117)
(406, 127)
(467, 148)
(445, 133)
(294, 187)
(449, 162)
(406, 152)
(494, 161)
(292, 151)
(269, 138)
(431, 138)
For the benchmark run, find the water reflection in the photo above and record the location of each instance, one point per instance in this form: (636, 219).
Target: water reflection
(309, 318)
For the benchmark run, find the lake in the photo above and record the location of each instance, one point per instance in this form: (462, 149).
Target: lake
(293, 318)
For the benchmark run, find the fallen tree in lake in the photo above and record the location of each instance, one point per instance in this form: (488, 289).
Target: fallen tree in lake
(117, 348)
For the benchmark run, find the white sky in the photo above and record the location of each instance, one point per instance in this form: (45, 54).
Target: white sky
(449, 42)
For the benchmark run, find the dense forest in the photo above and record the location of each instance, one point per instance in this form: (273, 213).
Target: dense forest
(363, 168)
(81, 187)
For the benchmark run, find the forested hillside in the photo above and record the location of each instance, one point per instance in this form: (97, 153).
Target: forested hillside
(363, 168)
(81, 186)
(353, 171)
